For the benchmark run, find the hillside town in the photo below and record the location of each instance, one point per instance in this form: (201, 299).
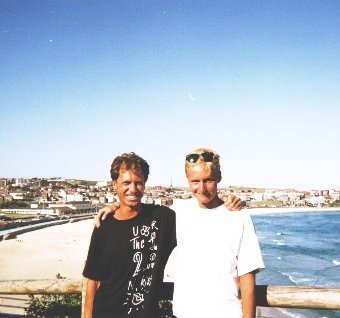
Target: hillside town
(59, 196)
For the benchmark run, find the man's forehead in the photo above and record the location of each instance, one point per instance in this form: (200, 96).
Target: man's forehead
(133, 170)
(200, 170)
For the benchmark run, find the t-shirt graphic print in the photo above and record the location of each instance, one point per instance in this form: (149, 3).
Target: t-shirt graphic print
(143, 243)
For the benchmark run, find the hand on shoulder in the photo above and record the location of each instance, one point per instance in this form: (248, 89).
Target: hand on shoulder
(104, 212)
(233, 203)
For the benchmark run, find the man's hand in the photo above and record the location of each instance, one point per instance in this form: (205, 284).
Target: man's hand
(104, 212)
(233, 203)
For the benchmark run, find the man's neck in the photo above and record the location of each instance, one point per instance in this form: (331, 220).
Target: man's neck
(126, 212)
(212, 204)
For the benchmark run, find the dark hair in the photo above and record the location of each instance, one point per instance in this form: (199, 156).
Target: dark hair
(129, 161)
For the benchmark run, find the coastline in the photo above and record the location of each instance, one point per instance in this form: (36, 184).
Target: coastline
(191, 203)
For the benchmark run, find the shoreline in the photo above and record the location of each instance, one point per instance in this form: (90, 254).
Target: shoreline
(191, 203)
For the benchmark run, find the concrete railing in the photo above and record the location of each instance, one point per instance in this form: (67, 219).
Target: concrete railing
(266, 295)
(298, 297)
(12, 233)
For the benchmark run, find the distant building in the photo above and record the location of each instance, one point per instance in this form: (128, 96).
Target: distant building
(3, 183)
(167, 201)
(103, 183)
(335, 195)
(110, 198)
(21, 182)
(17, 195)
(258, 196)
(8, 198)
(34, 205)
(74, 197)
(148, 200)
(102, 199)
(73, 207)
(56, 208)
(316, 200)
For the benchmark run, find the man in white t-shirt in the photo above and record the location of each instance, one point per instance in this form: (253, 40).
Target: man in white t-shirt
(217, 253)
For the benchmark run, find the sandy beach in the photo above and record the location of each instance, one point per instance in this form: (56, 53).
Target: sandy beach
(46, 252)
(42, 254)
(63, 249)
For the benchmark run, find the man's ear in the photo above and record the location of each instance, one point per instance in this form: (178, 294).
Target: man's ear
(114, 184)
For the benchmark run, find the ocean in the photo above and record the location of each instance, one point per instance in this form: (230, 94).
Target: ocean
(301, 249)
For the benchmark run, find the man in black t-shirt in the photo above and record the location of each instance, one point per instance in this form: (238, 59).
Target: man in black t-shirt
(128, 253)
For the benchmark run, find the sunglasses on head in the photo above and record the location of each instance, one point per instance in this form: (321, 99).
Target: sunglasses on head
(206, 156)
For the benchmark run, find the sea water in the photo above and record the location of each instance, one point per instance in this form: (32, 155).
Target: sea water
(300, 249)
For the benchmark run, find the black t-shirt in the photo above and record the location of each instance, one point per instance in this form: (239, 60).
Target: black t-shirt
(128, 258)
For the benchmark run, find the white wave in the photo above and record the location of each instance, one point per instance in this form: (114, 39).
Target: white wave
(297, 278)
(335, 262)
(279, 257)
(278, 233)
(279, 242)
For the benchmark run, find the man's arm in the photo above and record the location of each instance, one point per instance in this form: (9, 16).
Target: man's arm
(91, 289)
(247, 289)
(233, 203)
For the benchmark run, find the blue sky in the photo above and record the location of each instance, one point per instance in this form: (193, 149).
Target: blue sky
(258, 81)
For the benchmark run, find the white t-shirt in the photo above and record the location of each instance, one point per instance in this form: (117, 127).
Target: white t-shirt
(215, 247)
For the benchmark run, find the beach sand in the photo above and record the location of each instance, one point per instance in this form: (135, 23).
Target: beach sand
(42, 254)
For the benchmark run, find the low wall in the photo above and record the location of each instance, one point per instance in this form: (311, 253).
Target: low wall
(10, 234)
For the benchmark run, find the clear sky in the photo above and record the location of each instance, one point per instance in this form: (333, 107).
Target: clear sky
(258, 81)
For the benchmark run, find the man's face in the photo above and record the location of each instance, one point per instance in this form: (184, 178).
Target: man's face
(203, 185)
(130, 187)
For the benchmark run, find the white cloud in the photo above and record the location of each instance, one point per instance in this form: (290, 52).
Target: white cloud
(191, 97)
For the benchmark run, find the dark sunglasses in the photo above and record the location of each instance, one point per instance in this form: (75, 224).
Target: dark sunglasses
(193, 157)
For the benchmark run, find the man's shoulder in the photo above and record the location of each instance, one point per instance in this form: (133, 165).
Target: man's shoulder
(158, 209)
(237, 219)
(240, 214)
(105, 225)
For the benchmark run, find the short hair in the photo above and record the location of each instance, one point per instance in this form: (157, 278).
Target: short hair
(129, 161)
(214, 166)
